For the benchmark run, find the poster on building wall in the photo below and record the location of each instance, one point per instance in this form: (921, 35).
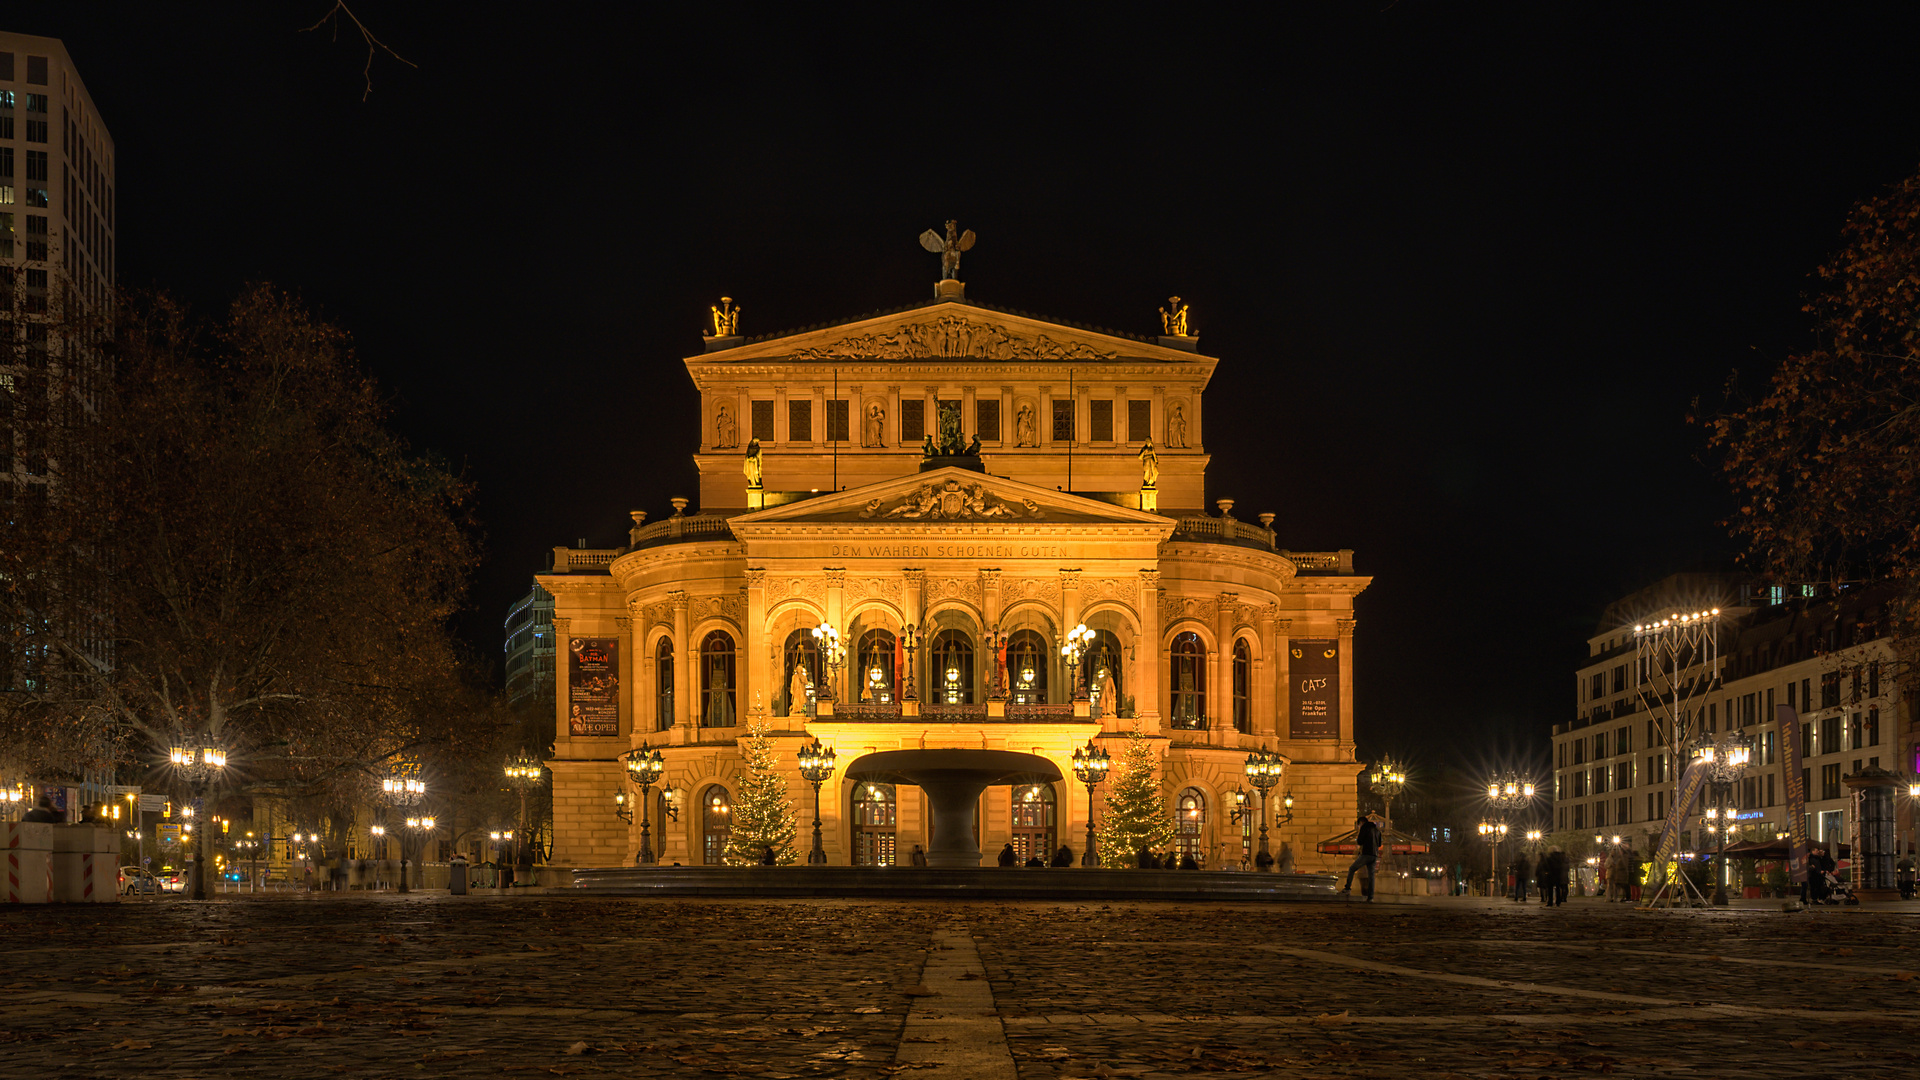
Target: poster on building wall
(1313, 700)
(593, 686)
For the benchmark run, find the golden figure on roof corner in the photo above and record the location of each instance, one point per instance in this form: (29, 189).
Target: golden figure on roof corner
(1173, 318)
(948, 249)
(726, 318)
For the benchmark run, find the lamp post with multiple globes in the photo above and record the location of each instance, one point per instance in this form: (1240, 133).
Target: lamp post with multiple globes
(1505, 796)
(1264, 769)
(816, 767)
(1072, 647)
(1090, 765)
(1387, 780)
(644, 767)
(1725, 763)
(833, 652)
(199, 766)
(523, 775)
(402, 788)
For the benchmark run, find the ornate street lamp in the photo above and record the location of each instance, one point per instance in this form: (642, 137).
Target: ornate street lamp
(1077, 641)
(524, 773)
(816, 767)
(402, 788)
(1090, 765)
(420, 827)
(834, 652)
(1265, 769)
(907, 693)
(1724, 763)
(644, 767)
(1387, 780)
(1505, 796)
(199, 761)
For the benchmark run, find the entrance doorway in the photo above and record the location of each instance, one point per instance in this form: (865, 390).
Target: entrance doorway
(875, 815)
(1034, 820)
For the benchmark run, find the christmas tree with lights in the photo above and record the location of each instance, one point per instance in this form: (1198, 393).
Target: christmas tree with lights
(1136, 814)
(762, 813)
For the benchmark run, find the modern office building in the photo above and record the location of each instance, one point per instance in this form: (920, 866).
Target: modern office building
(1828, 655)
(951, 493)
(530, 649)
(56, 283)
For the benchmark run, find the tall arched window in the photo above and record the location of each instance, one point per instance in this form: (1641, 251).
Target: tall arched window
(1189, 823)
(950, 668)
(663, 684)
(716, 680)
(1242, 686)
(802, 651)
(874, 818)
(1034, 817)
(876, 667)
(716, 824)
(1189, 682)
(1027, 656)
(1100, 670)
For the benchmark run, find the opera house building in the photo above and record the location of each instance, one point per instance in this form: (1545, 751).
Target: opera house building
(900, 522)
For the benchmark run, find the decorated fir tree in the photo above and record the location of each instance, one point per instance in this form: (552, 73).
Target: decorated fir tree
(762, 813)
(1136, 814)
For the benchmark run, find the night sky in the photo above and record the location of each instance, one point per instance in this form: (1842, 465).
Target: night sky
(1464, 271)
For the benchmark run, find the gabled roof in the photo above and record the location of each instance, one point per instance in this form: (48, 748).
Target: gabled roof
(950, 332)
(949, 496)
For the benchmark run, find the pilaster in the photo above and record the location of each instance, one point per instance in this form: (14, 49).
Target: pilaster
(562, 683)
(1220, 663)
(836, 606)
(1346, 680)
(685, 664)
(628, 726)
(1146, 695)
(759, 687)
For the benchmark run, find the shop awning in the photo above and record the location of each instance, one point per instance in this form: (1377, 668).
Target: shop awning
(1347, 843)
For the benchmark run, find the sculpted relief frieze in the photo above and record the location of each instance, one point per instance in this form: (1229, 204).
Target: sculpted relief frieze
(952, 337)
(811, 588)
(1175, 608)
(950, 501)
(732, 608)
(1046, 590)
(1126, 592)
(947, 588)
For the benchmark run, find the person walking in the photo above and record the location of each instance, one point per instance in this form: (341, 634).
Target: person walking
(43, 811)
(1553, 878)
(1522, 875)
(1367, 836)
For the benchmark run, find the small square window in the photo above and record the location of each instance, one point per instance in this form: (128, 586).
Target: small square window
(37, 76)
(38, 197)
(36, 165)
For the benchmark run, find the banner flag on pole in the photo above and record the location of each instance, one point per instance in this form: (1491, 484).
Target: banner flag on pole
(1796, 794)
(1691, 782)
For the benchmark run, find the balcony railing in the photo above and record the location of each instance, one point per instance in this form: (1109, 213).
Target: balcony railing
(934, 713)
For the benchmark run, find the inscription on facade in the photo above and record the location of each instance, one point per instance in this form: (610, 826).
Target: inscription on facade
(950, 551)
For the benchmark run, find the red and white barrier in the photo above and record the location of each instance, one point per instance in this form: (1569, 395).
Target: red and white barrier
(85, 865)
(29, 847)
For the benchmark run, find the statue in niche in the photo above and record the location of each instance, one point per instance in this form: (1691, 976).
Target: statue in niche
(948, 249)
(1176, 426)
(797, 691)
(723, 429)
(752, 465)
(876, 425)
(1026, 431)
(1149, 466)
(1173, 318)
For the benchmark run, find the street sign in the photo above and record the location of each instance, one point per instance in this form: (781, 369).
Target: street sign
(153, 804)
(167, 834)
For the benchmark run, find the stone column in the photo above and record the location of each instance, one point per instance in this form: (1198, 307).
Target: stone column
(1043, 424)
(836, 616)
(1346, 681)
(1070, 618)
(1220, 664)
(562, 691)
(819, 416)
(627, 725)
(916, 612)
(1193, 418)
(1008, 435)
(685, 664)
(1159, 414)
(892, 436)
(759, 651)
(930, 412)
(1082, 415)
(969, 423)
(1264, 712)
(646, 690)
(779, 418)
(1149, 656)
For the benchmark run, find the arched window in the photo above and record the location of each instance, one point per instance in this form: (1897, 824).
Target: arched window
(1189, 822)
(716, 824)
(803, 651)
(876, 667)
(1100, 669)
(1189, 682)
(1027, 656)
(1034, 818)
(874, 817)
(950, 668)
(663, 684)
(716, 680)
(1242, 686)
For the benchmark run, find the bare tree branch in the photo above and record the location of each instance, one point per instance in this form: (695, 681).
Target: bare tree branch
(334, 16)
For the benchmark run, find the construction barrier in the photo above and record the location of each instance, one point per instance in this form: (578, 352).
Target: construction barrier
(29, 847)
(85, 865)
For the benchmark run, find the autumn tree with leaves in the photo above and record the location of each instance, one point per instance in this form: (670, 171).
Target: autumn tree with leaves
(1826, 463)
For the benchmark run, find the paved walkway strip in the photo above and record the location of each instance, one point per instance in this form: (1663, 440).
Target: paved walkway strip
(953, 1029)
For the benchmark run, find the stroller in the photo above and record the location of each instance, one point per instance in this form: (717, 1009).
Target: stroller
(1837, 893)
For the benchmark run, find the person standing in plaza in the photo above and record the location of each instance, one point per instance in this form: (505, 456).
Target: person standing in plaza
(1522, 876)
(1553, 877)
(1366, 836)
(1009, 857)
(1063, 857)
(919, 856)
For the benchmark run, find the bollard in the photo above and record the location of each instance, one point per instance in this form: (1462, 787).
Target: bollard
(457, 875)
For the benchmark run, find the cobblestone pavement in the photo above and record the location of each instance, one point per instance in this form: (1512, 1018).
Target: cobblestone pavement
(383, 985)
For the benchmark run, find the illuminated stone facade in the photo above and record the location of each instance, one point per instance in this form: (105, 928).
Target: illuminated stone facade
(964, 573)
